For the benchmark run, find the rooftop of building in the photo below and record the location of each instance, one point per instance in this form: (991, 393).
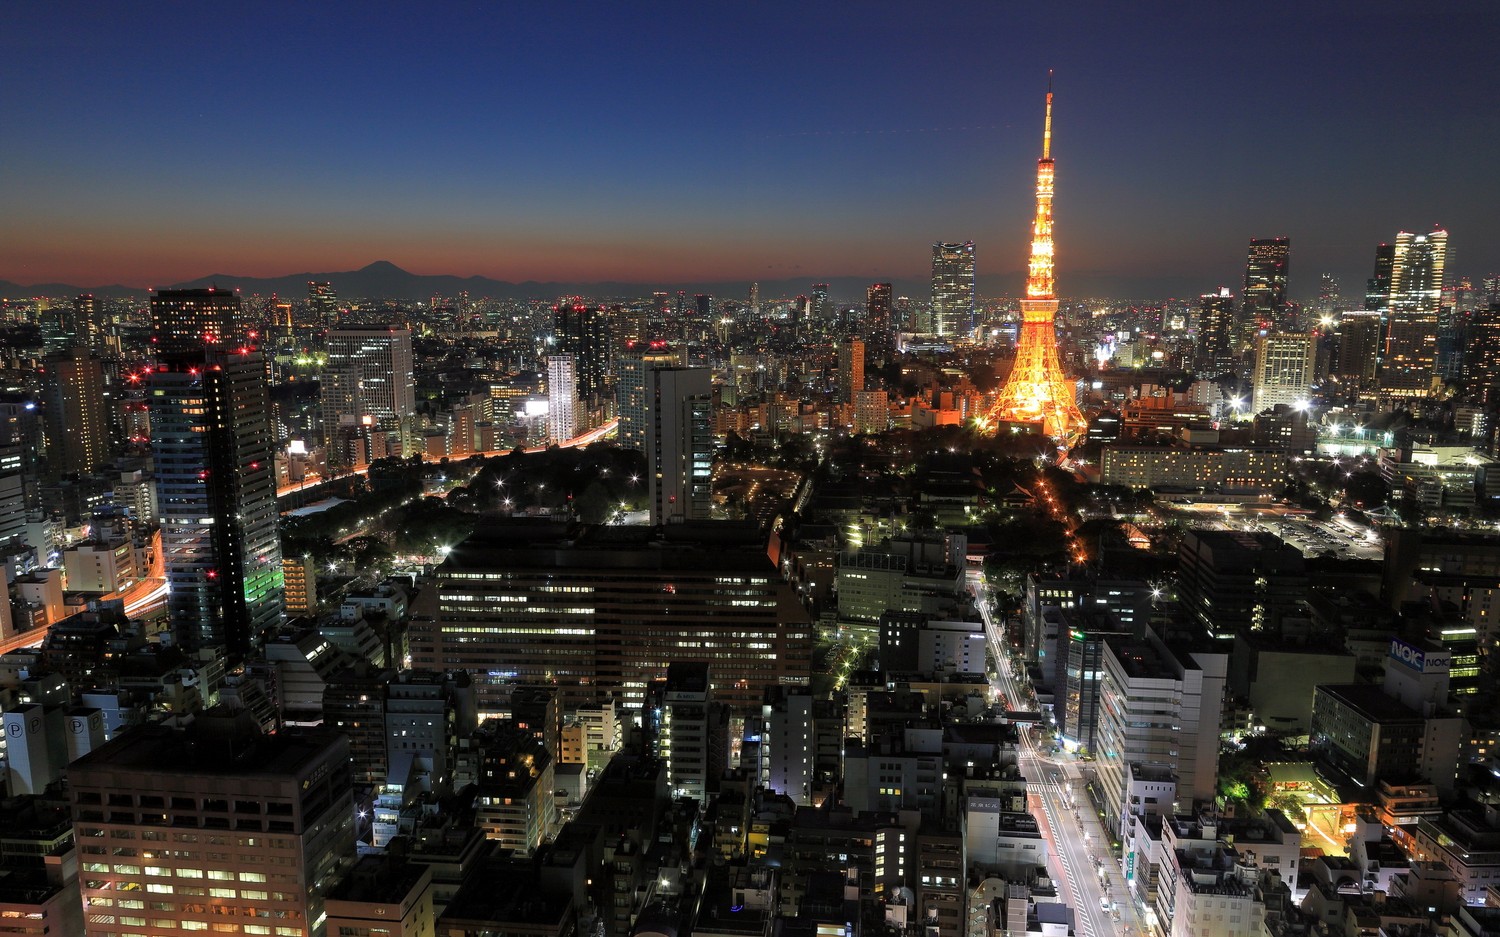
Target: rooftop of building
(378, 879)
(540, 543)
(506, 891)
(228, 745)
(1370, 702)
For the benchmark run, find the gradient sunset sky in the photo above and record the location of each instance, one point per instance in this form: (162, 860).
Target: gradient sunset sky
(665, 142)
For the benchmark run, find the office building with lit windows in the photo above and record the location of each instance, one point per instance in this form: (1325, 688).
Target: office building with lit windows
(182, 833)
(1216, 332)
(77, 427)
(368, 382)
(1264, 306)
(953, 288)
(188, 320)
(1283, 370)
(1409, 362)
(632, 403)
(880, 324)
(212, 451)
(1358, 347)
(562, 398)
(586, 333)
(527, 601)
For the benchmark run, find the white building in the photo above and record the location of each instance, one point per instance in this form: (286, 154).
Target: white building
(562, 397)
(1160, 706)
(788, 743)
(1283, 370)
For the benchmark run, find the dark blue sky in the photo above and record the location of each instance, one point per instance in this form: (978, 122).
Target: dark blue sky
(664, 142)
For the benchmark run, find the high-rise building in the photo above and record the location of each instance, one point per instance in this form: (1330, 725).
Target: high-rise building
(86, 325)
(369, 381)
(1037, 391)
(634, 363)
(585, 333)
(77, 422)
(1378, 287)
(819, 310)
(680, 444)
(224, 825)
(953, 288)
(1482, 364)
(1264, 307)
(323, 300)
(1283, 369)
(1328, 294)
(1160, 706)
(1216, 331)
(851, 378)
(755, 299)
(692, 735)
(1408, 365)
(562, 397)
(880, 326)
(212, 448)
(189, 320)
(1358, 347)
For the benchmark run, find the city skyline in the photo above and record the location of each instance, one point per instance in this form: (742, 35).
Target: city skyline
(720, 147)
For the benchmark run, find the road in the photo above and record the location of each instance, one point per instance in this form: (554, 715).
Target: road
(141, 599)
(1078, 849)
(583, 439)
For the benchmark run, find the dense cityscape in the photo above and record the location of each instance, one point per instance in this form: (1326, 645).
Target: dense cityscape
(384, 604)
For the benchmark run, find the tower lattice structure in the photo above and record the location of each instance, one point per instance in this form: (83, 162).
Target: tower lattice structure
(1037, 391)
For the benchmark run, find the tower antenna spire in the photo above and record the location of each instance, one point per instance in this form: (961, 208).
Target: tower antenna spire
(1047, 129)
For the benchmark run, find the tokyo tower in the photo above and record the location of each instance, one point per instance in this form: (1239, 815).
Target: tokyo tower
(1037, 391)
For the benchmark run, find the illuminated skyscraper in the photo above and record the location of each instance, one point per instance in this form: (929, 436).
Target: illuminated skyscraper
(820, 310)
(585, 333)
(369, 381)
(212, 449)
(323, 300)
(562, 397)
(189, 320)
(1482, 364)
(1216, 339)
(880, 328)
(1408, 365)
(77, 425)
(1037, 391)
(86, 326)
(1263, 304)
(851, 369)
(1283, 369)
(632, 405)
(953, 288)
(755, 299)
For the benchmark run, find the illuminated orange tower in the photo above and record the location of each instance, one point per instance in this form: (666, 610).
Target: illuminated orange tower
(1037, 391)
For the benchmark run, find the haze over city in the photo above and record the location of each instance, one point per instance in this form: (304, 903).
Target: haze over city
(691, 143)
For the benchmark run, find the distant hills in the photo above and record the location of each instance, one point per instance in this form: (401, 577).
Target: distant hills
(385, 280)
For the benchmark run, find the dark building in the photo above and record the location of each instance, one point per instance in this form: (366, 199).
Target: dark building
(1378, 287)
(212, 448)
(585, 333)
(1234, 581)
(880, 328)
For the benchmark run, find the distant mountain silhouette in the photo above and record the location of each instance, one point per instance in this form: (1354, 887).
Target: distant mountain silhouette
(383, 280)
